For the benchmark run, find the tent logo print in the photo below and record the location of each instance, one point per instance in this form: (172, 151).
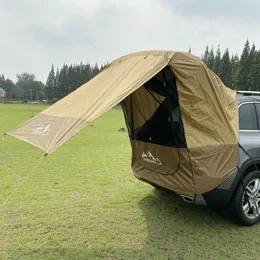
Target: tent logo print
(42, 130)
(150, 159)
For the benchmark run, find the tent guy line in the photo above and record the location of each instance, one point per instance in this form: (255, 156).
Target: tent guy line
(21, 183)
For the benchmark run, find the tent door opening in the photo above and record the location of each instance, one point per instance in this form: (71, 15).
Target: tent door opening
(152, 113)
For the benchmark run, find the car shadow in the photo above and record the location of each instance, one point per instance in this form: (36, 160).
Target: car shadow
(166, 208)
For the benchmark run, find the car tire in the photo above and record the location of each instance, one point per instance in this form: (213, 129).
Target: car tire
(246, 203)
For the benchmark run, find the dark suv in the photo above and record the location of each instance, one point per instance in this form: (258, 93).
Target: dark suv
(241, 191)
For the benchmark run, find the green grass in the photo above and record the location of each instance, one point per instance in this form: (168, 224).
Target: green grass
(82, 202)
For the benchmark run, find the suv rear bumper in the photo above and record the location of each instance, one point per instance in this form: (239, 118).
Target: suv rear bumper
(216, 199)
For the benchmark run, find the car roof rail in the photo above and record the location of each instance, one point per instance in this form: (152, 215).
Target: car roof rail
(248, 93)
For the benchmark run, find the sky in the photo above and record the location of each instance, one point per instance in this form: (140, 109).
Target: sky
(37, 33)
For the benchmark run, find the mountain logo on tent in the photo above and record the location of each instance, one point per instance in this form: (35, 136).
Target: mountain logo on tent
(148, 157)
(42, 130)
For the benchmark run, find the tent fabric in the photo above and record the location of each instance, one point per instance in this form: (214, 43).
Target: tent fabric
(182, 121)
(58, 123)
(209, 118)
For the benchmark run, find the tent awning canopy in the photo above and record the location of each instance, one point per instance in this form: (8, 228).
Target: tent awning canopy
(58, 123)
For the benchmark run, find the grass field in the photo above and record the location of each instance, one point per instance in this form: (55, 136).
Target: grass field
(82, 202)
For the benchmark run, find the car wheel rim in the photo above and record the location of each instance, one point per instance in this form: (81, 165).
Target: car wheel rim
(251, 199)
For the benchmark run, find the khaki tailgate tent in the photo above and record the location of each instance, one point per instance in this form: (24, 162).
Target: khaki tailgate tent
(182, 120)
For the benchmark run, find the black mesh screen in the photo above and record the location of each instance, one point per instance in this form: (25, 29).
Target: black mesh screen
(165, 126)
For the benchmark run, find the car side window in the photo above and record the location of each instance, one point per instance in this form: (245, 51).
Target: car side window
(247, 117)
(257, 105)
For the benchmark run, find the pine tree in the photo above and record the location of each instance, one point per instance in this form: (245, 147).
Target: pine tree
(49, 88)
(69, 78)
(255, 72)
(225, 70)
(78, 76)
(87, 72)
(243, 69)
(217, 61)
(211, 58)
(82, 77)
(103, 66)
(62, 88)
(56, 84)
(234, 64)
(205, 57)
(95, 70)
(250, 62)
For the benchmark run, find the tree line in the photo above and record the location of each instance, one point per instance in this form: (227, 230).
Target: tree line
(61, 82)
(241, 73)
